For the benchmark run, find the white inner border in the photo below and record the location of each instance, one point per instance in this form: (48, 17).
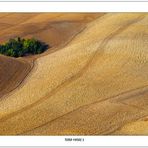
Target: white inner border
(60, 141)
(73, 0)
(73, 7)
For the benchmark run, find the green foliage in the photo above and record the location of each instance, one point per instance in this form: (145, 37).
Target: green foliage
(20, 47)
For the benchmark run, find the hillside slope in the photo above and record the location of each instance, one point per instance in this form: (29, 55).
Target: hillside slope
(12, 72)
(94, 85)
(48, 27)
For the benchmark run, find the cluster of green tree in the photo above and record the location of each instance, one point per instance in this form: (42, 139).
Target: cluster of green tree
(20, 47)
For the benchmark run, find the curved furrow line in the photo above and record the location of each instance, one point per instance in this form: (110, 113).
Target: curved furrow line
(31, 66)
(129, 93)
(111, 132)
(61, 46)
(15, 26)
(90, 62)
(33, 63)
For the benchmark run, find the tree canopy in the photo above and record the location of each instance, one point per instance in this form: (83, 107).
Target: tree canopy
(18, 47)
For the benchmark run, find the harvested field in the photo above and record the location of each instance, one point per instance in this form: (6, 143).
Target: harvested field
(92, 81)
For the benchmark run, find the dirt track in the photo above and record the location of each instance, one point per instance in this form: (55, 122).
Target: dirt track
(96, 84)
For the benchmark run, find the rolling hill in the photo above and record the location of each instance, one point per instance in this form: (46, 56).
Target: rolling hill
(92, 81)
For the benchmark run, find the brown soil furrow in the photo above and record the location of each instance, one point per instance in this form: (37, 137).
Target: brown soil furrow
(79, 74)
(33, 63)
(134, 106)
(22, 72)
(93, 83)
(13, 27)
(29, 69)
(113, 99)
(53, 49)
(113, 132)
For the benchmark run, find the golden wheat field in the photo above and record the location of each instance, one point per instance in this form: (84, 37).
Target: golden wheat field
(92, 81)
